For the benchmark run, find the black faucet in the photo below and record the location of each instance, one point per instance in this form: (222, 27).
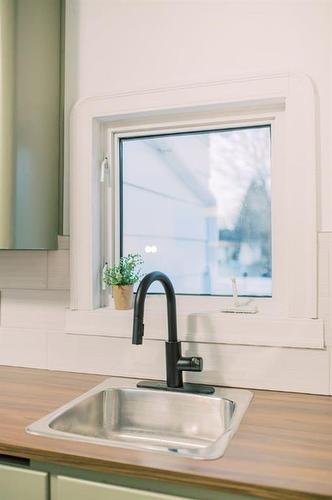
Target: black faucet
(175, 362)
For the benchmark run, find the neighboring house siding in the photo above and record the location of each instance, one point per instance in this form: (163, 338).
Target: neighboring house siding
(161, 210)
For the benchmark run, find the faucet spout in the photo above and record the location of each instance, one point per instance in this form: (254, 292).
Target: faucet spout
(138, 325)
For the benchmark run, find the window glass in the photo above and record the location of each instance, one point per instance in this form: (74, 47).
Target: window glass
(197, 206)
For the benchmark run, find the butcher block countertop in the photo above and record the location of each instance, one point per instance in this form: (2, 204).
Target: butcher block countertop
(282, 449)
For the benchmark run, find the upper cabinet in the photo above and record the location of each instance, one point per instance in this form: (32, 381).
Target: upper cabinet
(30, 116)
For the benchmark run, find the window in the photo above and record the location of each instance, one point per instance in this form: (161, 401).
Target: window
(197, 206)
(104, 126)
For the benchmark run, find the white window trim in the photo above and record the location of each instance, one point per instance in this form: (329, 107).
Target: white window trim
(90, 123)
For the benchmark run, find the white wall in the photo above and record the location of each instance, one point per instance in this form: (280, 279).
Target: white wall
(115, 45)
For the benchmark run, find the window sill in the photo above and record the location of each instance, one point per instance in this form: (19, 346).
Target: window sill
(206, 327)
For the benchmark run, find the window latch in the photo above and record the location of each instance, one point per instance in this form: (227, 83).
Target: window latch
(103, 284)
(104, 170)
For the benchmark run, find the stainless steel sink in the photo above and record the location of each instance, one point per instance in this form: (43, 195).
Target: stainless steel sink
(116, 413)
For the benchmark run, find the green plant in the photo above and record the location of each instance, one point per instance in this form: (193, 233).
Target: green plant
(124, 273)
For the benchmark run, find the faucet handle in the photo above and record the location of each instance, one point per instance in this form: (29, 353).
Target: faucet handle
(196, 364)
(190, 364)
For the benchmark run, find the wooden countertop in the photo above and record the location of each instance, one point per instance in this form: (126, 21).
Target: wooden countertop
(283, 448)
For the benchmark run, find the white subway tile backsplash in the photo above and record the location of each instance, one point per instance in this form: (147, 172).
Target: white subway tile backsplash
(325, 284)
(105, 355)
(237, 366)
(34, 297)
(23, 269)
(58, 270)
(330, 353)
(23, 347)
(63, 242)
(271, 368)
(34, 309)
(324, 242)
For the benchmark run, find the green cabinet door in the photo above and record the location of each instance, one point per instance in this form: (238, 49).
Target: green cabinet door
(67, 488)
(22, 484)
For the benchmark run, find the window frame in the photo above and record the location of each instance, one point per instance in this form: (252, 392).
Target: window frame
(277, 304)
(242, 100)
(117, 171)
(187, 129)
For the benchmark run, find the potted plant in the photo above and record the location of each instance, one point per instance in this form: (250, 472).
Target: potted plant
(121, 278)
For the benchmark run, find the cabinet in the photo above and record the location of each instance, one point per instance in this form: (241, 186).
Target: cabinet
(22, 484)
(67, 488)
(42, 481)
(30, 121)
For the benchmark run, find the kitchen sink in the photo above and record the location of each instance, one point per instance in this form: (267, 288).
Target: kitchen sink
(117, 413)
